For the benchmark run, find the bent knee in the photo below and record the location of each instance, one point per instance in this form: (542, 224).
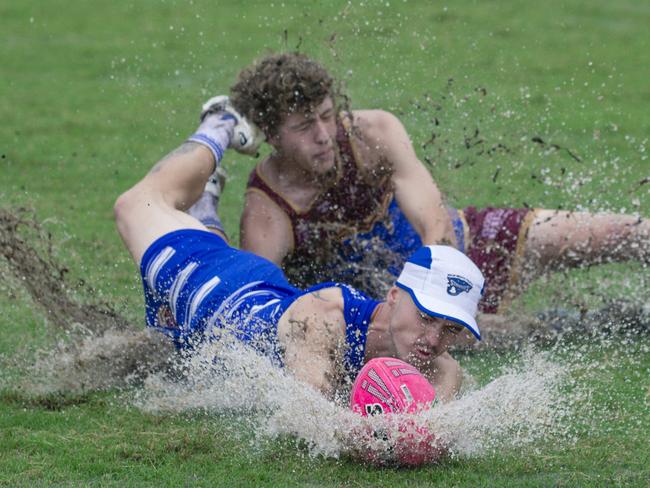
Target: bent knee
(121, 210)
(127, 211)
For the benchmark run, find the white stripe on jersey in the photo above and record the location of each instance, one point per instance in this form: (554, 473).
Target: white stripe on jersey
(234, 296)
(199, 296)
(177, 285)
(242, 298)
(258, 308)
(230, 304)
(156, 264)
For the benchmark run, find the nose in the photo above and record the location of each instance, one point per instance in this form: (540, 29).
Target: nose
(433, 334)
(321, 134)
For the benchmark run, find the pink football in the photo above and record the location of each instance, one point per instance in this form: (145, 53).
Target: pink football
(391, 386)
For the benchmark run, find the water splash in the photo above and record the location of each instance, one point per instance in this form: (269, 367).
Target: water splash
(521, 406)
(549, 393)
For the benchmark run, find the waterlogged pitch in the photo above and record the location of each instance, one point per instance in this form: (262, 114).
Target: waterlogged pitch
(507, 104)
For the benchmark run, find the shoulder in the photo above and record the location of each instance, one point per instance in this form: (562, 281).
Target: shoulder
(381, 132)
(260, 193)
(326, 300)
(374, 134)
(319, 317)
(373, 124)
(259, 206)
(265, 228)
(324, 306)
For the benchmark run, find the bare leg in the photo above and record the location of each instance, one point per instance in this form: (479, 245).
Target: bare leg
(560, 240)
(155, 206)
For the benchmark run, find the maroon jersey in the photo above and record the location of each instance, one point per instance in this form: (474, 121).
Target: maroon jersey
(355, 232)
(351, 205)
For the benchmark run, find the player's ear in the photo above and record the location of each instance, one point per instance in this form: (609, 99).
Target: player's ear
(392, 295)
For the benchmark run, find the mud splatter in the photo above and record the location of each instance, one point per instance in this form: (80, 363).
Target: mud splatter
(27, 248)
(95, 347)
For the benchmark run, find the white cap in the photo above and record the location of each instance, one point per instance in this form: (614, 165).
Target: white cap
(444, 283)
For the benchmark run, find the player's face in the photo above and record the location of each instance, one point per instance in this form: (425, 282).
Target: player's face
(418, 338)
(308, 139)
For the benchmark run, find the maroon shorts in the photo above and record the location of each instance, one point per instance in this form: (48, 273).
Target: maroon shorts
(494, 241)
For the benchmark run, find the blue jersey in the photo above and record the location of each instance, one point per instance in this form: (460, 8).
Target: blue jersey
(196, 287)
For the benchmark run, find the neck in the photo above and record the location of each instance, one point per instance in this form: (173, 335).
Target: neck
(288, 174)
(379, 342)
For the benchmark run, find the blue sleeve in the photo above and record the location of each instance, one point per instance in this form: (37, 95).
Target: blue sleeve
(358, 310)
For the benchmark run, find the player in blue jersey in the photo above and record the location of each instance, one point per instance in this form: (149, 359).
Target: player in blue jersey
(197, 287)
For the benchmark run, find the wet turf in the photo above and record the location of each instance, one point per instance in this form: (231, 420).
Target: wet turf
(542, 105)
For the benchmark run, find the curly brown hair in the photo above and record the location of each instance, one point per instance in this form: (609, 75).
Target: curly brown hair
(279, 85)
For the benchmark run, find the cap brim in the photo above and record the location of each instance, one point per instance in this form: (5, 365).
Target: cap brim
(444, 310)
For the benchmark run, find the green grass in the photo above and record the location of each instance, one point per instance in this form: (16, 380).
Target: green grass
(93, 93)
(93, 439)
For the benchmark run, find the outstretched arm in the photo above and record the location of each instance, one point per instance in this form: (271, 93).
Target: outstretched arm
(312, 333)
(416, 193)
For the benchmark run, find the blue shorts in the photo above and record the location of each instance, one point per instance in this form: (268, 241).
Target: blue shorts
(196, 286)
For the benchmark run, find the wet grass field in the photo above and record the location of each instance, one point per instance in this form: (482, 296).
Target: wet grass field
(508, 103)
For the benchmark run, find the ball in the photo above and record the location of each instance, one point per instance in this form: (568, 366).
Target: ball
(389, 386)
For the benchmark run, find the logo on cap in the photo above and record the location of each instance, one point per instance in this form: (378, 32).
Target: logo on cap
(457, 284)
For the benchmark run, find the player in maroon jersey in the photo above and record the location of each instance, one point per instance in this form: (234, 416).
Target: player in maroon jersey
(343, 192)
